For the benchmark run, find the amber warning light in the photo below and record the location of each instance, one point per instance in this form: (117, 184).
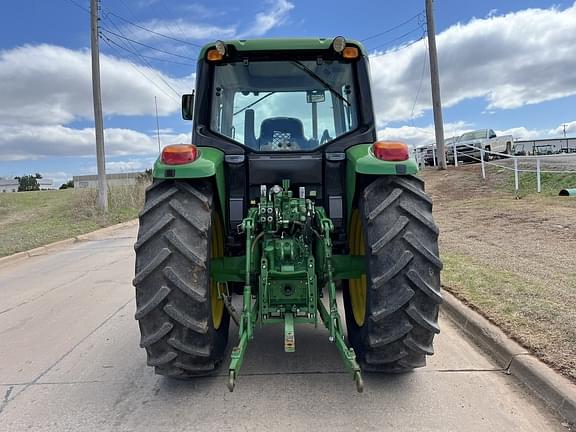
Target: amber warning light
(392, 151)
(179, 154)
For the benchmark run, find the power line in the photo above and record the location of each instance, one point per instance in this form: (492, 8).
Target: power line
(399, 48)
(158, 59)
(391, 29)
(135, 52)
(111, 44)
(78, 5)
(128, 8)
(176, 22)
(109, 12)
(420, 83)
(419, 28)
(147, 46)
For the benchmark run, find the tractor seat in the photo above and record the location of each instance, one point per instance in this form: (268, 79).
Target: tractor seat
(282, 134)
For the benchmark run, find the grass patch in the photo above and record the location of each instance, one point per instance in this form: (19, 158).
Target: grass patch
(551, 183)
(33, 219)
(539, 317)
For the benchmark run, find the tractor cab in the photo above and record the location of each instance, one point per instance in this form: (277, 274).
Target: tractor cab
(283, 109)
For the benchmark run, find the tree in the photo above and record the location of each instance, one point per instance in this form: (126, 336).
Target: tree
(28, 182)
(68, 185)
(146, 176)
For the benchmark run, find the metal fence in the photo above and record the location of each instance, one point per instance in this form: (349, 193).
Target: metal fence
(488, 158)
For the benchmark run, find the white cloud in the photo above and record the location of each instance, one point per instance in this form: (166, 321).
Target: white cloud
(510, 60)
(523, 133)
(275, 15)
(416, 136)
(181, 29)
(51, 85)
(130, 165)
(58, 177)
(570, 128)
(422, 135)
(38, 141)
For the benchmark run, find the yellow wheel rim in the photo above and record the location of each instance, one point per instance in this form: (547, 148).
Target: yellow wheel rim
(216, 251)
(357, 287)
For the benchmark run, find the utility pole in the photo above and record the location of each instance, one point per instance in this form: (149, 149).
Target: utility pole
(102, 200)
(435, 81)
(157, 124)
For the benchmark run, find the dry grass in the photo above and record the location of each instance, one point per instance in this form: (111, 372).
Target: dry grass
(538, 317)
(32, 219)
(511, 259)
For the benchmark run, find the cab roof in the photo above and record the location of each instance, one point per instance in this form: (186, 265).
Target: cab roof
(275, 44)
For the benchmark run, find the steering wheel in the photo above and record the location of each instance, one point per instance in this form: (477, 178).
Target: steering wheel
(325, 137)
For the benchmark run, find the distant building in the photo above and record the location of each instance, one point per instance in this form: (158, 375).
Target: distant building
(91, 181)
(9, 185)
(543, 146)
(45, 184)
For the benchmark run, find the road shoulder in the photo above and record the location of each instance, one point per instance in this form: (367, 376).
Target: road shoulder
(557, 391)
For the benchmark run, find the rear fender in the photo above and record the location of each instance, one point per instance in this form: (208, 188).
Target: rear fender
(208, 164)
(361, 160)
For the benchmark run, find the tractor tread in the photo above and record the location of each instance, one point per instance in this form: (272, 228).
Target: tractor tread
(189, 253)
(162, 359)
(173, 283)
(418, 347)
(390, 199)
(390, 235)
(388, 357)
(403, 276)
(185, 287)
(155, 336)
(154, 230)
(197, 368)
(153, 303)
(185, 319)
(191, 190)
(156, 262)
(392, 304)
(189, 349)
(398, 266)
(416, 190)
(433, 258)
(188, 217)
(153, 203)
(418, 317)
(396, 333)
(413, 211)
(424, 286)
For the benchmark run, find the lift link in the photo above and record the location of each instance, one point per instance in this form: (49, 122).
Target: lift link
(290, 240)
(332, 320)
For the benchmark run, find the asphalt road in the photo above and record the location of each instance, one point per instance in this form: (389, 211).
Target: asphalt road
(70, 361)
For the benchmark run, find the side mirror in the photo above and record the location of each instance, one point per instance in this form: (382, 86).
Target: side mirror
(187, 106)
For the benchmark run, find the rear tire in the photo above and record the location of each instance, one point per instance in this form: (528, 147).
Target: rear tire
(173, 289)
(403, 277)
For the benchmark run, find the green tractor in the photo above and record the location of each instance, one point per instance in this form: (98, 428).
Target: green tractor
(284, 195)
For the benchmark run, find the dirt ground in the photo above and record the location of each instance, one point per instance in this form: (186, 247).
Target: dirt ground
(512, 259)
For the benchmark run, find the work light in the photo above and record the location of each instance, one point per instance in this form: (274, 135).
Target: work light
(339, 44)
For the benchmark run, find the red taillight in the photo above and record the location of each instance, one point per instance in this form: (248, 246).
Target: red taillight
(392, 151)
(179, 154)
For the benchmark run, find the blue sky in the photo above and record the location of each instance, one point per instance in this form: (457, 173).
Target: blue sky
(506, 65)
